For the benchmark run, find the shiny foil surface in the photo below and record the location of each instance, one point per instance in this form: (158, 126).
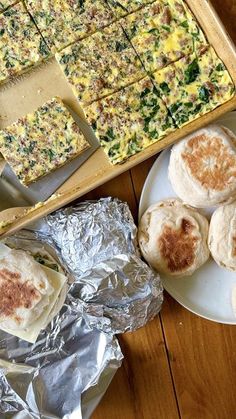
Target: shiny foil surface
(111, 290)
(55, 378)
(67, 371)
(97, 241)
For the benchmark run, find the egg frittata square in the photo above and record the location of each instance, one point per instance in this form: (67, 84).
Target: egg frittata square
(42, 141)
(130, 120)
(101, 64)
(124, 7)
(4, 4)
(163, 32)
(194, 85)
(21, 45)
(62, 22)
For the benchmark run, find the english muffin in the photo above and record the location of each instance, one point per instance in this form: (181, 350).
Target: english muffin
(173, 238)
(25, 290)
(222, 236)
(202, 168)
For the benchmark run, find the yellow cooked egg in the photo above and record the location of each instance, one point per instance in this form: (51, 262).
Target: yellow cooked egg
(161, 34)
(42, 141)
(21, 45)
(130, 120)
(194, 85)
(101, 64)
(63, 22)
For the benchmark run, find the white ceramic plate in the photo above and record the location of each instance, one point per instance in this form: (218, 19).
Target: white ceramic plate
(208, 293)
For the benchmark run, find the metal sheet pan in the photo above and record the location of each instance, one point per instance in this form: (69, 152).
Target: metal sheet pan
(36, 87)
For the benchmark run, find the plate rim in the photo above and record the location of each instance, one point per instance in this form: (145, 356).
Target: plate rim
(163, 153)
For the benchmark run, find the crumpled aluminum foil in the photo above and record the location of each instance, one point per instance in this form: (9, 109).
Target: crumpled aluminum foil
(55, 378)
(97, 241)
(111, 290)
(67, 371)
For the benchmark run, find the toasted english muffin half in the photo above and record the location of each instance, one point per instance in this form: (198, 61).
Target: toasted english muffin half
(173, 238)
(222, 236)
(202, 168)
(24, 288)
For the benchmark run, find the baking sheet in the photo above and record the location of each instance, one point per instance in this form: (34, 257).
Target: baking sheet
(38, 86)
(36, 93)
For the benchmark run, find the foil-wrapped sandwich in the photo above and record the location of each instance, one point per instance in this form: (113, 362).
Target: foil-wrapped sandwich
(97, 240)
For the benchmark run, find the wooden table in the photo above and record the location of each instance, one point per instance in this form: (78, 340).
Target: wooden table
(179, 365)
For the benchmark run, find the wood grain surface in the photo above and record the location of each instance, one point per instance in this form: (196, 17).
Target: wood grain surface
(47, 81)
(179, 365)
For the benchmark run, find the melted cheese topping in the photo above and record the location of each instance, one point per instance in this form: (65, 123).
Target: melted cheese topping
(22, 47)
(194, 86)
(130, 120)
(63, 22)
(100, 64)
(42, 141)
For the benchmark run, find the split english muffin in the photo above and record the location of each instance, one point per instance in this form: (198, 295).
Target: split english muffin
(25, 290)
(31, 293)
(222, 236)
(173, 238)
(202, 168)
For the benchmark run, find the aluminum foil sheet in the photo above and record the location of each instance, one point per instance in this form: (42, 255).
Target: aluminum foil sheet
(97, 241)
(67, 371)
(63, 375)
(111, 290)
